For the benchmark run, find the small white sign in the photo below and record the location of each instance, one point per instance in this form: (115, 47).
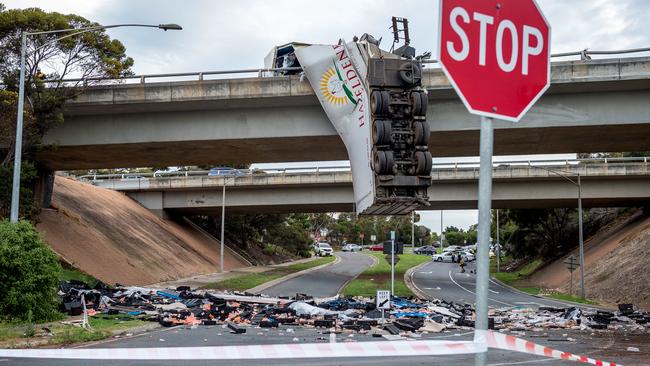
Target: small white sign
(392, 235)
(373, 237)
(383, 299)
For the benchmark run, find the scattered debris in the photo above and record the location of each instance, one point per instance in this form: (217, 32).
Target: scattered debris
(239, 311)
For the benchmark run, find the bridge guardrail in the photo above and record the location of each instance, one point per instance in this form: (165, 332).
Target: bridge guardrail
(585, 55)
(334, 175)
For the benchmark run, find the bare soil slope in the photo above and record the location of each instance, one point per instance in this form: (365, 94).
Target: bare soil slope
(115, 239)
(615, 262)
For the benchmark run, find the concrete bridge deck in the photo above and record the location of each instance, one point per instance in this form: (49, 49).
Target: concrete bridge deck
(597, 105)
(619, 183)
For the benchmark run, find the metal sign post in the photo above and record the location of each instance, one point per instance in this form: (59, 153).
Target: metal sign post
(392, 262)
(483, 250)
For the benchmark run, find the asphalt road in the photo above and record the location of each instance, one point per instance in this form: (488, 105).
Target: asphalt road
(326, 281)
(606, 346)
(444, 281)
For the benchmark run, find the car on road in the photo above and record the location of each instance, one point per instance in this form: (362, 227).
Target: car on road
(425, 250)
(351, 248)
(377, 247)
(323, 249)
(452, 257)
(225, 171)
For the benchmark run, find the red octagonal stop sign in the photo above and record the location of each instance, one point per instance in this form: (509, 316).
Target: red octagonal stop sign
(496, 54)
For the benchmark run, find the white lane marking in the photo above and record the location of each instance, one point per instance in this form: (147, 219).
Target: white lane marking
(489, 289)
(432, 288)
(472, 292)
(430, 272)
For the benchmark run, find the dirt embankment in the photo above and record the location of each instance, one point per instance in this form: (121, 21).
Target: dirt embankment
(616, 265)
(115, 239)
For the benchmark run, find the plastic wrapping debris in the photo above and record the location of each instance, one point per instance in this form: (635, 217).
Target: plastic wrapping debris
(303, 308)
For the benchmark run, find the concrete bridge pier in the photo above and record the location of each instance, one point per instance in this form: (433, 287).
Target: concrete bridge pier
(153, 201)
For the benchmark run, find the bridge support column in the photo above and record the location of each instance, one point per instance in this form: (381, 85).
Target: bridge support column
(153, 201)
(43, 188)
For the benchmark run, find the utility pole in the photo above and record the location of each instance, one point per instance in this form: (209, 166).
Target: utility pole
(498, 245)
(442, 234)
(413, 229)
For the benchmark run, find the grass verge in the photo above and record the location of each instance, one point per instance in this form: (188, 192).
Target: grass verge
(248, 281)
(515, 279)
(377, 277)
(29, 335)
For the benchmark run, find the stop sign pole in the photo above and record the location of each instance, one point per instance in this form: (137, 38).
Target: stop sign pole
(496, 54)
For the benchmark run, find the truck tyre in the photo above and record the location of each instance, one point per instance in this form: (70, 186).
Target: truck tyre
(379, 101)
(422, 132)
(381, 132)
(419, 101)
(383, 162)
(424, 162)
(410, 73)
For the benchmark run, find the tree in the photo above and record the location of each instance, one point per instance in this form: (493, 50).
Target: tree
(87, 56)
(29, 273)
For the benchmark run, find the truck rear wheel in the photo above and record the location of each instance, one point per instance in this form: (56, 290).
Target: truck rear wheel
(381, 132)
(424, 162)
(422, 132)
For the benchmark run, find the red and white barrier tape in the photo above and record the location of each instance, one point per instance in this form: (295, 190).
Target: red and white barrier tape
(510, 343)
(309, 350)
(268, 351)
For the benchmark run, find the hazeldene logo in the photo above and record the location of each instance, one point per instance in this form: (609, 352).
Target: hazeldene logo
(335, 91)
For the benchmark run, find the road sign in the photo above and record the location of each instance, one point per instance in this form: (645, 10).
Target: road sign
(571, 263)
(373, 238)
(496, 53)
(383, 299)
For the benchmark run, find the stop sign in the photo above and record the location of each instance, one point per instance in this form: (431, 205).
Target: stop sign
(496, 54)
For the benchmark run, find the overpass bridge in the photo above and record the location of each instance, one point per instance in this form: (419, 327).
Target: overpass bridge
(517, 184)
(592, 105)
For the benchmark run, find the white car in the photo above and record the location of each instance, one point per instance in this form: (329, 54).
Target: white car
(351, 248)
(452, 248)
(323, 249)
(452, 257)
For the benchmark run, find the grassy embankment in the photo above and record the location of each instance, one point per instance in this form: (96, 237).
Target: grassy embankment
(517, 279)
(377, 277)
(26, 334)
(248, 281)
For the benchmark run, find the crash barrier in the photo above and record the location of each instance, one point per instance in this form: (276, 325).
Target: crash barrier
(308, 350)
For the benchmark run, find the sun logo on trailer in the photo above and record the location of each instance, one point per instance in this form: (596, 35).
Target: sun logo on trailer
(334, 89)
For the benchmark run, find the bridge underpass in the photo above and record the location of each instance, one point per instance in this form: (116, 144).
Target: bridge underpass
(597, 105)
(611, 184)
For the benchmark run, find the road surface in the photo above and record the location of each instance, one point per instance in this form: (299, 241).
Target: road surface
(607, 346)
(326, 281)
(444, 281)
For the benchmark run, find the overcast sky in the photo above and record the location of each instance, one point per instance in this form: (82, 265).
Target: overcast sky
(220, 35)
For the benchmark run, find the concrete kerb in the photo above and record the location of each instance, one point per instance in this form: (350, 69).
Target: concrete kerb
(264, 286)
(408, 280)
(565, 302)
(375, 261)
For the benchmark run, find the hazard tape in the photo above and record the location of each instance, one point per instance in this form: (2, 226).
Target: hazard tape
(268, 351)
(510, 343)
(310, 350)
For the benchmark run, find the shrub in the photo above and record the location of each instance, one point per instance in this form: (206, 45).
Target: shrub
(29, 273)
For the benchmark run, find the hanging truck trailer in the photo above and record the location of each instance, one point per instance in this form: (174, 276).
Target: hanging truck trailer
(376, 103)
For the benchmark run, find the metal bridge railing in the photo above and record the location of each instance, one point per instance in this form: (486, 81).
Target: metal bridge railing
(585, 55)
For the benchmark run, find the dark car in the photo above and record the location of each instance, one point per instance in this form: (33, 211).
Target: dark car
(425, 250)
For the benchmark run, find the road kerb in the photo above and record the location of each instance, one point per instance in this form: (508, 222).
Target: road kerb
(375, 261)
(565, 302)
(408, 280)
(266, 285)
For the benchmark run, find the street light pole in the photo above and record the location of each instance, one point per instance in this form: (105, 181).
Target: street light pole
(413, 230)
(498, 245)
(223, 222)
(580, 240)
(578, 184)
(441, 232)
(15, 188)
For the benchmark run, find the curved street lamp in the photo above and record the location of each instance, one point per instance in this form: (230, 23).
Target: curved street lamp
(15, 192)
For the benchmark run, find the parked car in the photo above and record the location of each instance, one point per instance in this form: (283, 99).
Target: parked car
(323, 249)
(469, 256)
(451, 248)
(452, 257)
(351, 248)
(377, 247)
(425, 250)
